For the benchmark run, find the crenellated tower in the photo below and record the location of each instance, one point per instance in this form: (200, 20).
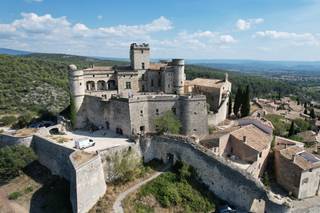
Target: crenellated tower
(179, 75)
(140, 56)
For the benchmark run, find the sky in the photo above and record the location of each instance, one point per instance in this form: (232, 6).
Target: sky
(191, 29)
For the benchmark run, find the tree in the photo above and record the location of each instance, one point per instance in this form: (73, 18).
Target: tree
(312, 113)
(230, 105)
(245, 107)
(167, 123)
(13, 159)
(292, 129)
(237, 101)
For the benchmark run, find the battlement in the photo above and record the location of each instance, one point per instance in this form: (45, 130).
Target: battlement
(139, 46)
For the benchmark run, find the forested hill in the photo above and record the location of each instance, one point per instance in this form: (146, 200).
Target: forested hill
(38, 82)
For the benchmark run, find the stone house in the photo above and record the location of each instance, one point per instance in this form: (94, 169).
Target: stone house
(247, 147)
(297, 170)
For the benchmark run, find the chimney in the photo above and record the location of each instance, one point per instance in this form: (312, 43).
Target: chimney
(245, 139)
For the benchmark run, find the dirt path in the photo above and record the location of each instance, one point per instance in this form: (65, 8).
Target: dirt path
(8, 206)
(117, 205)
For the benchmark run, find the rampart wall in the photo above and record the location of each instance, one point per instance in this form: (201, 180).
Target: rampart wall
(10, 140)
(229, 183)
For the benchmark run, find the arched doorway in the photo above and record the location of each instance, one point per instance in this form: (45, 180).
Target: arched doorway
(90, 85)
(101, 85)
(112, 85)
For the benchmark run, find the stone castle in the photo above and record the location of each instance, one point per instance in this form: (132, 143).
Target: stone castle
(127, 99)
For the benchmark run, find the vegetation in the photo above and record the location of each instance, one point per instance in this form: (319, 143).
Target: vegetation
(38, 82)
(292, 130)
(8, 120)
(280, 124)
(14, 195)
(13, 159)
(237, 101)
(245, 106)
(178, 189)
(167, 123)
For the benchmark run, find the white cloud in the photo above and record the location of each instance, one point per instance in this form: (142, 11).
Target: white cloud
(45, 33)
(242, 24)
(294, 38)
(99, 17)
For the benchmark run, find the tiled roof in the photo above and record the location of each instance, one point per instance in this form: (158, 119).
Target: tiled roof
(255, 138)
(95, 68)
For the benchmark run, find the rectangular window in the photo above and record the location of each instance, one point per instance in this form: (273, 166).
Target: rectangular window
(142, 77)
(128, 85)
(142, 64)
(152, 82)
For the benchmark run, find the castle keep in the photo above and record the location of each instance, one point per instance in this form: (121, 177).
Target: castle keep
(127, 99)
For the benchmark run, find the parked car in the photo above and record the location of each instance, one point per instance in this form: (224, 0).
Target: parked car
(83, 143)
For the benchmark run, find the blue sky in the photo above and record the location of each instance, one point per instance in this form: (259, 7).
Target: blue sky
(197, 29)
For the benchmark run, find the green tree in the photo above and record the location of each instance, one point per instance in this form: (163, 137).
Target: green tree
(167, 123)
(245, 107)
(312, 113)
(13, 159)
(292, 130)
(237, 101)
(73, 114)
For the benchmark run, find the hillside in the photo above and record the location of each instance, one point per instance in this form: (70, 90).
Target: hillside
(37, 82)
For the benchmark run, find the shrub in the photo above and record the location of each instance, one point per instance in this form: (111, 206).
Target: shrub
(14, 195)
(13, 159)
(168, 123)
(8, 120)
(28, 189)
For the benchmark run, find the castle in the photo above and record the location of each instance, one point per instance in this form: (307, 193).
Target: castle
(127, 99)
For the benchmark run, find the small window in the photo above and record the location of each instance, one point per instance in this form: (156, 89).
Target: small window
(141, 113)
(93, 75)
(128, 85)
(142, 64)
(142, 77)
(80, 84)
(194, 130)
(157, 111)
(107, 75)
(141, 51)
(260, 154)
(195, 113)
(168, 85)
(174, 110)
(152, 82)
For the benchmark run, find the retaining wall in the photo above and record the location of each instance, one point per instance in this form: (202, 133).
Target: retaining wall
(10, 140)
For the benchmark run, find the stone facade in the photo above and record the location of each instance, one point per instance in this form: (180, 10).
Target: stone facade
(296, 170)
(127, 99)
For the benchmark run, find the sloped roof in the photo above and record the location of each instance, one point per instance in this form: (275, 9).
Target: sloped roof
(255, 138)
(206, 82)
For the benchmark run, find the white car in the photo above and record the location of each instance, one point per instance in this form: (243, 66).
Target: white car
(83, 143)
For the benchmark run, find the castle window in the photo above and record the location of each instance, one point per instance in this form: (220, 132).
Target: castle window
(142, 64)
(93, 75)
(157, 111)
(128, 85)
(195, 113)
(80, 84)
(194, 130)
(141, 113)
(142, 77)
(152, 82)
(168, 85)
(107, 75)
(260, 154)
(141, 51)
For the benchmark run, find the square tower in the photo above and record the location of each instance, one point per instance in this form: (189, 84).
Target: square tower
(140, 56)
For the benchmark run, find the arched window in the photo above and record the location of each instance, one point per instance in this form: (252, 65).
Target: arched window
(101, 85)
(90, 85)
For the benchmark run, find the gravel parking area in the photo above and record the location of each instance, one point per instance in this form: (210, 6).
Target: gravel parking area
(103, 139)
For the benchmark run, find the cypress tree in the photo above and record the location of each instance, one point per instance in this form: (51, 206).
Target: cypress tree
(230, 105)
(292, 130)
(245, 108)
(237, 101)
(312, 113)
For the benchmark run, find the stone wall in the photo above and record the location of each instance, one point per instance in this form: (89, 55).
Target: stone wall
(86, 177)
(216, 118)
(226, 181)
(87, 184)
(10, 140)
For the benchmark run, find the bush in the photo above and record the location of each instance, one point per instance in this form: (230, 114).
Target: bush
(14, 195)
(168, 123)
(23, 121)
(280, 124)
(8, 120)
(13, 159)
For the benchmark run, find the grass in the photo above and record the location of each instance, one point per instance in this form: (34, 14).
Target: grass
(14, 195)
(176, 191)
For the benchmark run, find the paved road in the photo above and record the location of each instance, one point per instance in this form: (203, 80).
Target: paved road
(117, 206)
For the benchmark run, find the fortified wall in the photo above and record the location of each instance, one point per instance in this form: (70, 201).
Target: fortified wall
(223, 179)
(11, 140)
(84, 172)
